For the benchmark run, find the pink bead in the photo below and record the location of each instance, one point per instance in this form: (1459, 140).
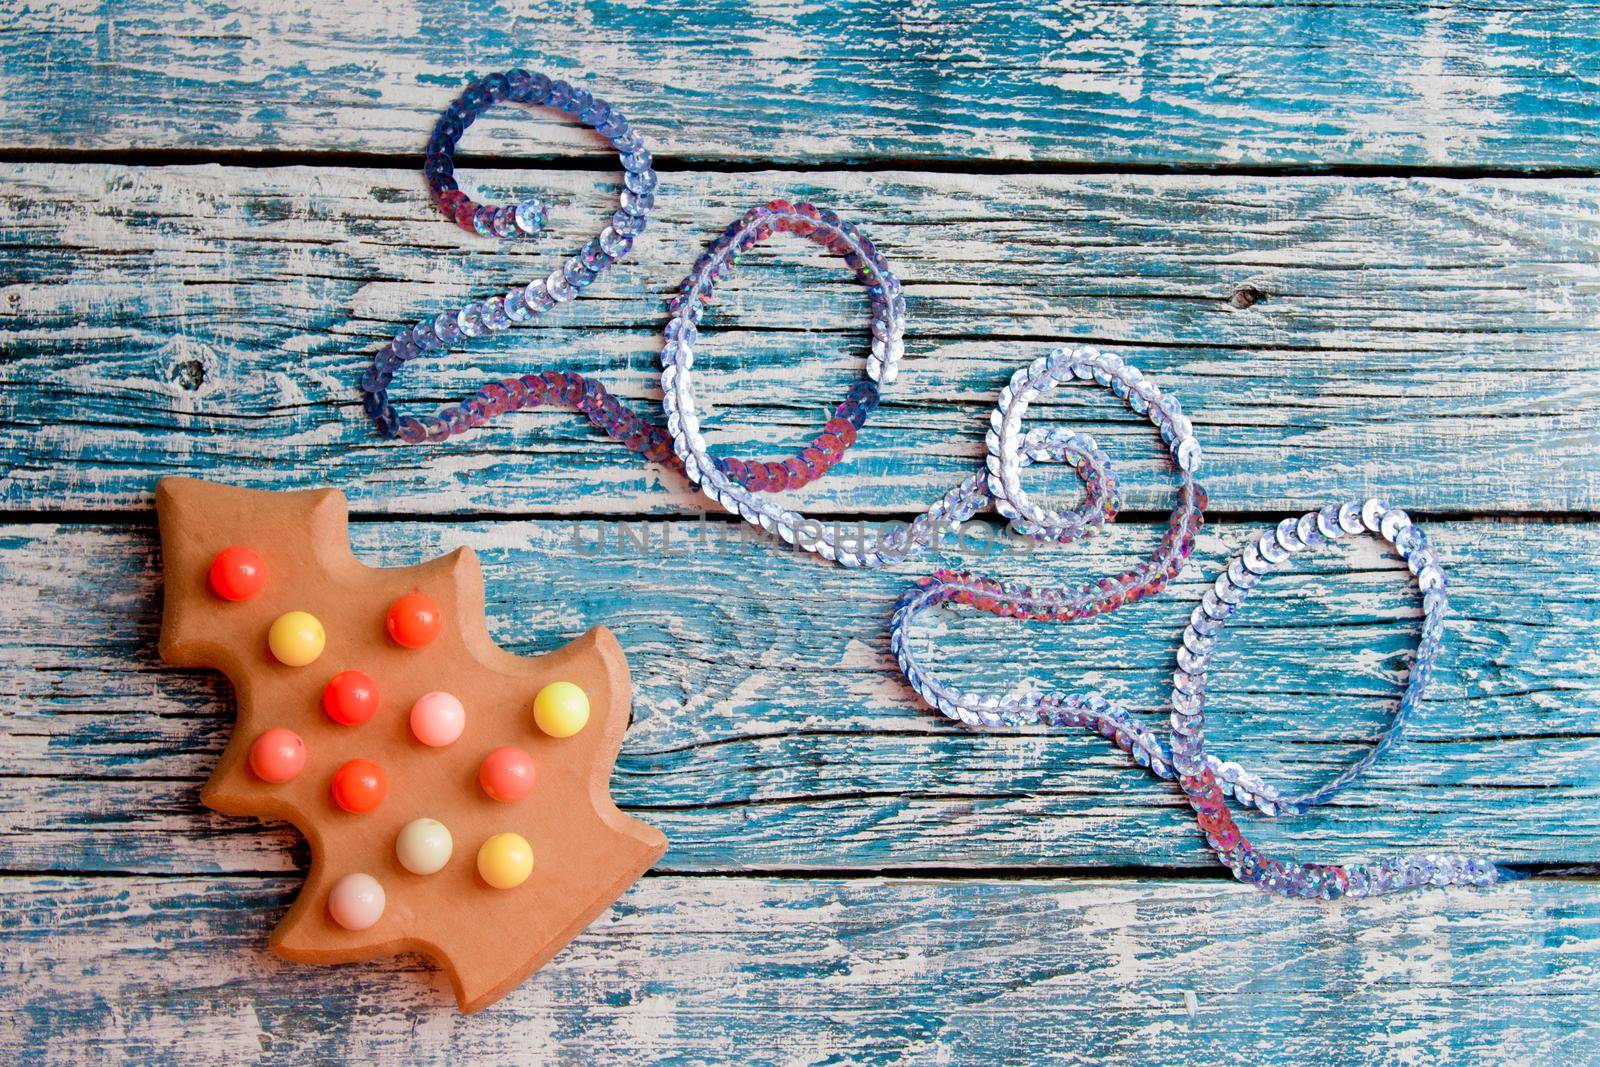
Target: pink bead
(356, 902)
(277, 755)
(437, 719)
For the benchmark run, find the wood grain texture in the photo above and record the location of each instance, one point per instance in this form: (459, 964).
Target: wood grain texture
(747, 970)
(772, 732)
(1493, 84)
(1428, 340)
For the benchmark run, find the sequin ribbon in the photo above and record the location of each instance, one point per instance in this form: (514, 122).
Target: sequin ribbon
(743, 487)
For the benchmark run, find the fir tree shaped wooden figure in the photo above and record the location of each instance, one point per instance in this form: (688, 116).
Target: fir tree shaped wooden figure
(455, 796)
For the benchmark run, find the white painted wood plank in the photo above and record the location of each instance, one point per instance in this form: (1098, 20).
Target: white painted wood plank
(864, 971)
(1428, 340)
(1499, 83)
(772, 732)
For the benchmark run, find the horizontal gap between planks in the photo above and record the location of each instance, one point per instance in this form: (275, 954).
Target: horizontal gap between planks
(265, 158)
(1123, 872)
(146, 517)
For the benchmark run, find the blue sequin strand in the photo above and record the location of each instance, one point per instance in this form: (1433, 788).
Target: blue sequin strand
(743, 487)
(521, 304)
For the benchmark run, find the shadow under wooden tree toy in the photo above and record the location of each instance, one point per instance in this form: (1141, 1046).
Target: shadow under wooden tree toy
(455, 796)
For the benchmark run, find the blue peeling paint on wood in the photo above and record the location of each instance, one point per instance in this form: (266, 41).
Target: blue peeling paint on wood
(1430, 341)
(1426, 338)
(771, 731)
(1366, 82)
(742, 970)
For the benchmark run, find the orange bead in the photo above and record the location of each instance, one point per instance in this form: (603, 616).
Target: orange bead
(414, 620)
(506, 774)
(359, 786)
(351, 698)
(237, 573)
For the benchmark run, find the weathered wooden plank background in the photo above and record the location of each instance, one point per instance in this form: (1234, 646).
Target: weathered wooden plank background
(771, 731)
(209, 216)
(1498, 84)
(913, 970)
(1398, 328)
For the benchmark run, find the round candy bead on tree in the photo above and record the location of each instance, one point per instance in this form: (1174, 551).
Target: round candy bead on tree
(506, 774)
(296, 638)
(359, 786)
(414, 620)
(424, 846)
(505, 861)
(561, 709)
(356, 902)
(277, 755)
(351, 698)
(437, 719)
(237, 573)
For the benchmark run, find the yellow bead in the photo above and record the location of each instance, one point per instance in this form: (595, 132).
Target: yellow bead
(505, 861)
(296, 638)
(561, 709)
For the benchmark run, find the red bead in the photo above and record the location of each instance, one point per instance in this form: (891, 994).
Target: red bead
(414, 620)
(351, 698)
(237, 573)
(506, 774)
(277, 755)
(359, 786)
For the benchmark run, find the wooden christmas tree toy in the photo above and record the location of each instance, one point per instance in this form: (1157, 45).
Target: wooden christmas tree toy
(455, 796)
